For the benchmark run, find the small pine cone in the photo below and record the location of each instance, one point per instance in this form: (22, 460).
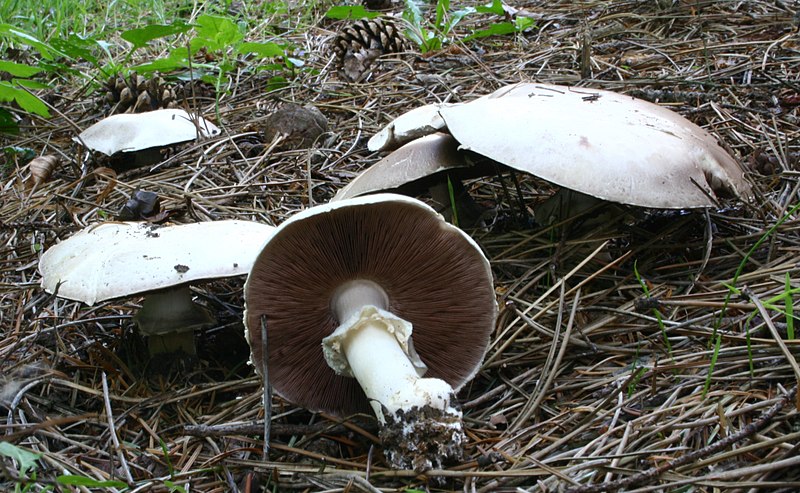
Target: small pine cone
(360, 43)
(137, 94)
(42, 167)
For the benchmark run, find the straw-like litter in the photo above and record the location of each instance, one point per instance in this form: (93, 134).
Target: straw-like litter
(634, 352)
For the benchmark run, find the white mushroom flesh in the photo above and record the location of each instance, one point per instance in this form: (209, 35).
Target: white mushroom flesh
(374, 346)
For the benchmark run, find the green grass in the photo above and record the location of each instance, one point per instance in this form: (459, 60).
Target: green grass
(49, 19)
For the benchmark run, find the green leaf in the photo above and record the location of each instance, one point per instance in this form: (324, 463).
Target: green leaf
(174, 488)
(18, 69)
(789, 304)
(497, 29)
(30, 84)
(7, 123)
(24, 99)
(44, 49)
(25, 459)
(178, 58)
(262, 50)
(496, 7)
(77, 47)
(442, 7)
(350, 12)
(72, 480)
(216, 33)
(139, 37)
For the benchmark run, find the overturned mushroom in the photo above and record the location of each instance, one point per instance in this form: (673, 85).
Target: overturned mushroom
(600, 143)
(339, 288)
(118, 259)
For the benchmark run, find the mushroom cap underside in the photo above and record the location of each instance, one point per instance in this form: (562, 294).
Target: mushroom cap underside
(600, 143)
(410, 163)
(434, 275)
(137, 131)
(115, 259)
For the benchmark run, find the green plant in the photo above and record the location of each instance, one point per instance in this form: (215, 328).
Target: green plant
(431, 36)
(656, 311)
(220, 38)
(733, 290)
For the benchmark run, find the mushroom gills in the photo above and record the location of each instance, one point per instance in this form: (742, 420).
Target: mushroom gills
(169, 317)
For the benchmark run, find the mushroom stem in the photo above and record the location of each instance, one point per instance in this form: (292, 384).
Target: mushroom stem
(169, 318)
(389, 376)
(420, 428)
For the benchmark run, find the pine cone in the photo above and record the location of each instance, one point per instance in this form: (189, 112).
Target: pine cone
(137, 94)
(359, 44)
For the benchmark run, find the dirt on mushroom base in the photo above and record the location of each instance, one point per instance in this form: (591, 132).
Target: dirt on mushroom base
(613, 390)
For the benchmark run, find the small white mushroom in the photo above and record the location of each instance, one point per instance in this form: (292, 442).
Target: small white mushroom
(138, 131)
(119, 259)
(407, 127)
(341, 288)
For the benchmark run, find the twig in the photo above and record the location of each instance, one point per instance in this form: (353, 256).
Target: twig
(113, 431)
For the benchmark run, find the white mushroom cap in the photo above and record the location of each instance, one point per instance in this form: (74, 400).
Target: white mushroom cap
(115, 259)
(137, 131)
(407, 127)
(601, 143)
(418, 159)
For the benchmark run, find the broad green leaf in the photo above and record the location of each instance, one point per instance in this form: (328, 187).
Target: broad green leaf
(277, 82)
(216, 33)
(350, 12)
(496, 7)
(47, 51)
(139, 37)
(523, 23)
(77, 47)
(25, 459)
(18, 69)
(176, 59)
(500, 29)
(497, 29)
(262, 50)
(73, 480)
(24, 99)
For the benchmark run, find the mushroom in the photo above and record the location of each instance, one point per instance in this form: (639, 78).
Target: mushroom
(600, 143)
(419, 159)
(144, 133)
(425, 163)
(118, 259)
(339, 289)
(407, 127)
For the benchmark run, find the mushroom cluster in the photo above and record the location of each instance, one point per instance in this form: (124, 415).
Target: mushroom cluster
(342, 287)
(374, 303)
(600, 143)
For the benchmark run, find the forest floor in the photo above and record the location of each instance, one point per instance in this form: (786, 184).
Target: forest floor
(651, 351)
